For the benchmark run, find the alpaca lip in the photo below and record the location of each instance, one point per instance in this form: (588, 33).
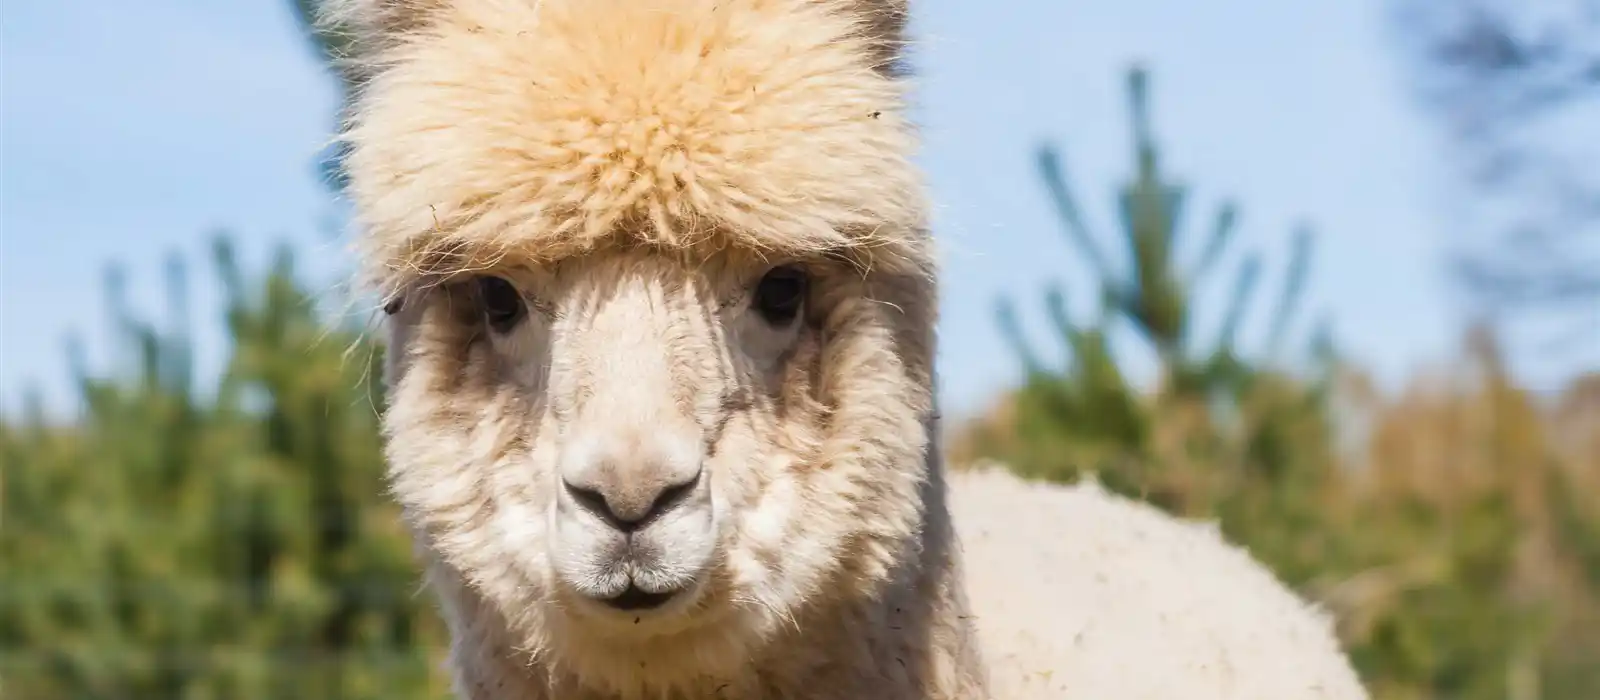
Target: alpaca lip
(636, 598)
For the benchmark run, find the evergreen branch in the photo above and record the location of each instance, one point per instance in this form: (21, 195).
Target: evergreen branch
(1294, 285)
(1221, 233)
(1011, 330)
(1243, 289)
(1049, 164)
(1055, 302)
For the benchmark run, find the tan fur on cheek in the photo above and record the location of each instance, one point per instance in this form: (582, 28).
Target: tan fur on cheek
(451, 429)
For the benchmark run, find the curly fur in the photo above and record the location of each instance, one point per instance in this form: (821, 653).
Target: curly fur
(541, 130)
(632, 169)
(1140, 605)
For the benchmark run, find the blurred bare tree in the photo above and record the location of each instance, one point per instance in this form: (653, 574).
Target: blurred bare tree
(1515, 86)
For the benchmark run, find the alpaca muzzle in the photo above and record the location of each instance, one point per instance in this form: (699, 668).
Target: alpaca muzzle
(633, 520)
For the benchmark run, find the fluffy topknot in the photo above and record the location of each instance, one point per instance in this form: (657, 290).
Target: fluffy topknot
(543, 129)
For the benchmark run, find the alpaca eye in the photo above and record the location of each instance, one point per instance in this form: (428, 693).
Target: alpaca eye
(780, 294)
(502, 304)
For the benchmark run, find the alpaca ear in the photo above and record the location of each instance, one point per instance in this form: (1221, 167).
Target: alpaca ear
(885, 24)
(355, 33)
(375, 22)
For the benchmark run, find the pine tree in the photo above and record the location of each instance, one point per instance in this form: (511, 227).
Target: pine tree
(240, 545)
(1087, 415)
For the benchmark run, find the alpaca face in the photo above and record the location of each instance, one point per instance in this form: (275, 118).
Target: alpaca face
(646, 380)
(661, 376)
(628, 447)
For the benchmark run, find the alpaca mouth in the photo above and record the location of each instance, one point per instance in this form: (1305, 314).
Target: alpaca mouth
(636, 598)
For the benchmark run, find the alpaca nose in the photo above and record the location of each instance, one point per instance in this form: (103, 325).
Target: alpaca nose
(630, 481)
(630, 506)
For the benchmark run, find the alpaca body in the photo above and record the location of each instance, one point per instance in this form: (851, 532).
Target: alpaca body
(1080, 594)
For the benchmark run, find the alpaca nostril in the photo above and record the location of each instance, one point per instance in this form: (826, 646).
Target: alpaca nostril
(631, 507)
(590, 499)
(671, 496)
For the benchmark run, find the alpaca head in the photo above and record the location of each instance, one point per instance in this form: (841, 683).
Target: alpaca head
(663, 299)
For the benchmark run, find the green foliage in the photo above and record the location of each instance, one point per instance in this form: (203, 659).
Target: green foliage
(1457, 545)
(237, 545)
(1087, 414)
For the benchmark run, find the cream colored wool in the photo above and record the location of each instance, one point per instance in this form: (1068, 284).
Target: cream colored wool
(1080, 593)
(542, 128)
(623, 175)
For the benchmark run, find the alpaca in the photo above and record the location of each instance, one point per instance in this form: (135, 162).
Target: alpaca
(661, 388)
(662, 305)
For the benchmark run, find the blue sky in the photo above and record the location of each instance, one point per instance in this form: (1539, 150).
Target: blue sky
(134, 130)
